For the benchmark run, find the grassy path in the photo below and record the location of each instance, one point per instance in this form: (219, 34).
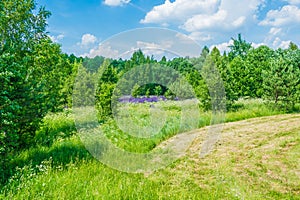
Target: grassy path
(254, 159)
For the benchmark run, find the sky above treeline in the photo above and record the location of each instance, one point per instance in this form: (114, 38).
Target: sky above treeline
(82, 26)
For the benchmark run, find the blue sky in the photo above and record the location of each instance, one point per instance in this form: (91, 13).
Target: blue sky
(80, 26)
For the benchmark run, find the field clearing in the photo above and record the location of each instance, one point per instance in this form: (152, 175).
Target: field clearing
(255, 159)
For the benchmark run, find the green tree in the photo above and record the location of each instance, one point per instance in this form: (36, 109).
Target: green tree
(281, 81)
(85, 86)
(21, 36)
(238, 77)
(104, 92)
(32, 74)
(293, 46)
(158, 90)
(135, 90)
(222, 64)
(239, 48)
(256, 61)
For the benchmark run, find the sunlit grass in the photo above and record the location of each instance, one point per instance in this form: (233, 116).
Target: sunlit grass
(59, 166)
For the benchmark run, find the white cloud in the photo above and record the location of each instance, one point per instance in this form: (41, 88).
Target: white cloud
(223, 46)
(179, 11)
(275, 31)
(225, 18)
(293, 2)
(88, 39)
(200, 36)
(287, 15)
(202, 18)
(278, 43)
(116, 2)
(255, 45)
(206, 20)
(239, 22)
(200, 22)
(56, 38)
(104, 50)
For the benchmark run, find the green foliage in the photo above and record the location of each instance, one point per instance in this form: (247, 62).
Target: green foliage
(33, 72)
(85, 87)
(105, 88)
(158, 90)
(135, 90)
(256, 61)
(239, 48)
(214, 96)
(18, 41)
(239, 74)
(293, 46)
(281, 81)
(92, 64)
(71, 70)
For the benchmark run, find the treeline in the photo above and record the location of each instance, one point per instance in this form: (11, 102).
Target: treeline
(244, 72)
(37, 77)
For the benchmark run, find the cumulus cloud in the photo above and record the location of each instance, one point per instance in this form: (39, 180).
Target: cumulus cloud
(293, 2)
(203, 14)
(179, 10)
(87, 40)
(207, 20)
(56, 38)
(104, 50)
(223, 46)
(200, 22)
(225, 18)
(289, 14)
(116, 2)
(278, 43)
(200, 36)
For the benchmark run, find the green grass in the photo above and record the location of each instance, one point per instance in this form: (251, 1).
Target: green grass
(251, 108)
(139, 114)
(59, 166)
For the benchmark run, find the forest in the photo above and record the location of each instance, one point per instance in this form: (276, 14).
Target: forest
(38, 80)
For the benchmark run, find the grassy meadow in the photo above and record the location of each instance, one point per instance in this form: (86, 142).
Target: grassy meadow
(255, 159)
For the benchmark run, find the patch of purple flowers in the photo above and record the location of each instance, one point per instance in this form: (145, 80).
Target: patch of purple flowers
(143, 99)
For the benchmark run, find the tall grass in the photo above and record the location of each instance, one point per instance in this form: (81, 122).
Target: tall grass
(245, 109)
(251, 108)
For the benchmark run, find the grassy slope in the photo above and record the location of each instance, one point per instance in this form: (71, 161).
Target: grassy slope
(255, 159)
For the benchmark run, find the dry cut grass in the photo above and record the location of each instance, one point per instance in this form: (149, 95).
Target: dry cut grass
(254, 159)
